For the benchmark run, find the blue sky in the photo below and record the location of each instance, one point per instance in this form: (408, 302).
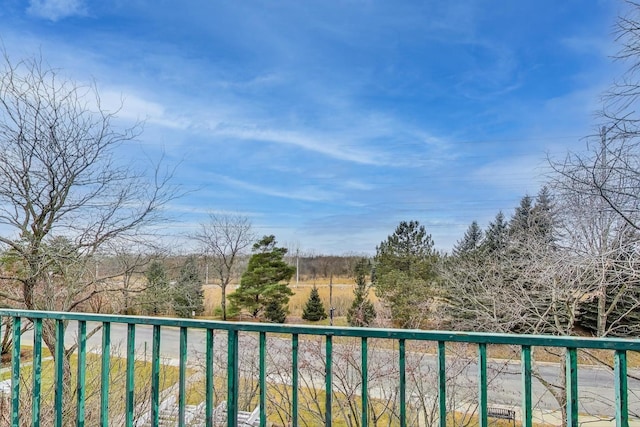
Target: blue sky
(328, 122)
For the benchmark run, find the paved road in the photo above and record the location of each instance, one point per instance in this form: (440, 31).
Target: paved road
(595, 384)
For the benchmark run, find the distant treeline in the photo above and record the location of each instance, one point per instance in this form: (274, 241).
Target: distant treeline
(310, 266)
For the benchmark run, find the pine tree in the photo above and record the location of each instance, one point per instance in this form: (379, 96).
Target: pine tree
(265, 282)
(188, 296)
(495, 238)
(522, 220)
(543, 217)
(274, 312)
(471, 241)
(157, 292)
(314, 309)
(361, 312)
(405, 273)
(532, 225)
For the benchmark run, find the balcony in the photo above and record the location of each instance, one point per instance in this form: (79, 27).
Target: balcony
(140, 371)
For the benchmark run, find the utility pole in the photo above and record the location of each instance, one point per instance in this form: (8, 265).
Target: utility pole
(297, 266)
(206, 270)
(331, 299)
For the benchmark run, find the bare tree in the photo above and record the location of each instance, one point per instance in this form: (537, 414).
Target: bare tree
(610, 168)
(131, 259)
(224, 239)
(600, 191)
(63, 193)
(604, 241)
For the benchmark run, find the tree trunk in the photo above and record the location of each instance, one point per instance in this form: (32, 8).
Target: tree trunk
(558, 389)
(28, 285)
(223, 286)
(7, 341)
(561, 397)
(602, 311)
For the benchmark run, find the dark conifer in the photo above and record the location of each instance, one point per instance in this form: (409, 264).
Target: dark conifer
(471, 240)
(314, 309)
(361, 312)
(495, 238)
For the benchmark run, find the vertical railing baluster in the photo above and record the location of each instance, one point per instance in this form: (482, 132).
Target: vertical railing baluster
(442, 384)
(15, 373)
(620, 369)
(105, 374)
(403, 381)
(263, 379)
(82, 368)
(572, 386)
(328, 374)
(232, 379)
(37, 372)
(527, 410)
(294, 380)
(208, 406)
(482, 384)
(130, 382)
(364, 352)
(155, 377)
(59, 366)
(182, 386)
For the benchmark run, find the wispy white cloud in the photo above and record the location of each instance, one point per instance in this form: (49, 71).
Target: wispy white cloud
(341, 129)
(304, 193)
(370, 138)
(258, 81)
(306, 141)
(353, 184)
(517, 175)
(55, 10)
(133, 107)
(190, 208)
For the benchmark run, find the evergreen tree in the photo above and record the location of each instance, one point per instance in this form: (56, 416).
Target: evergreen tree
(157, 292)
(188, 297)
(314, 309)
(522, 220)
(495, 238)
(405, 273)
(543, 217)
(275, 312)
(265, 282)
(361, 312)
(532, 225)
(471, 241)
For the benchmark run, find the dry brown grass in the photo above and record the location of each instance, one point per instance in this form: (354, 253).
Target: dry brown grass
(318, 280)
(342, 296)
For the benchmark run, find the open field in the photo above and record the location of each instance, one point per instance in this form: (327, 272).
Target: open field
(342, 296)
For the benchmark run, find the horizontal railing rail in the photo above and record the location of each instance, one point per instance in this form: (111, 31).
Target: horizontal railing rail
(233, 330)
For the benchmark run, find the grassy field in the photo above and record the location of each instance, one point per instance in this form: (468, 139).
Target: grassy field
(342, 296)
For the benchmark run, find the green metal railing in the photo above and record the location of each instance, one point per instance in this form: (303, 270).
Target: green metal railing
(233, 332)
